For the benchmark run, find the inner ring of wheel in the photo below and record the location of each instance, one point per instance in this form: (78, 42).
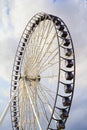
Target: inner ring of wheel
(33, 77)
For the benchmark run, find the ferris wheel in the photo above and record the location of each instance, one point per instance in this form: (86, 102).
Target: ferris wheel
(43, 75)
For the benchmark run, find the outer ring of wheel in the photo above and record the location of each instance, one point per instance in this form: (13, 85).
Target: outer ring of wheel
(18, 61)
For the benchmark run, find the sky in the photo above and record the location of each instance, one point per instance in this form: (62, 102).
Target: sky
(14, 15)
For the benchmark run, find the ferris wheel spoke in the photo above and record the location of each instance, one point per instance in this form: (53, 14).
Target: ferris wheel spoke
(43, 110)
(38, 33)
(43, 45)
(43, 100)
(39, 41)
(48, 26)
(21, 110)
(49, 94)
(7, 107)
(53, 37)
(29, 49)
(23, 115)
(41, 106)
(47, 101)
(48, 32)
(28, 116)
(34, 111)
(41, 50)
(29, 46)
(23, 107)
(49, 57)
(33, 40)
(38, 55)
(50, 76)
(34, 96)
(24, 61)
(48, 91)
(48, 67)
(45, 51)
(49, 62)
(40, 37)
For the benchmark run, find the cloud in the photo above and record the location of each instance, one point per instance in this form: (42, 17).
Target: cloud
(54, 1)
(14, 15)
(4, 89)
(78, 114)
(5, 8)
(7, 122)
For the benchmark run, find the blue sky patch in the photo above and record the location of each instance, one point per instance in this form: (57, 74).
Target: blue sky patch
(7, 11)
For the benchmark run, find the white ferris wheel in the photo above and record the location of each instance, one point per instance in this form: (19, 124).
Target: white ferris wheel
(43, 76)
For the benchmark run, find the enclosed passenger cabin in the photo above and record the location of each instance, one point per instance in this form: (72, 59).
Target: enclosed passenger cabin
(22, 48)
(14, 103)
(25, 39)
(16, 72)
(32, 27)
(42, 17)
(27, 36)
(15, 87)
(56, 21)
(15, 119)
(63, 113)
(14, 108)
(69, 75)
(17, 128)
(37, 21)
(16, 125)
(66, 42)
(20, 53)
(61, 28)
(68, 88)
(68, 52)
(23, 44)
(16, 77)
(69, 63)
(15, 114)
(64, 34)
(66, 101)
(17, 67)
(60, 125)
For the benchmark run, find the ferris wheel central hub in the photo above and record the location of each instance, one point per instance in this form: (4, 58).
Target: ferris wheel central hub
(31, 78)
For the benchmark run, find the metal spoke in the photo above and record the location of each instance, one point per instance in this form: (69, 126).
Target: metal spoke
(49, 93)
(48, 66)
(52, 76)
(43, 109)
(7, 107)
(48, 32)
(39, 42)
(45, 51)
(48, 47)
(48, 57)
(34, 111)
(48, 103)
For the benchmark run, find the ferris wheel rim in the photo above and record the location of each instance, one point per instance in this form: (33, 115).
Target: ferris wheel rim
(54, 20)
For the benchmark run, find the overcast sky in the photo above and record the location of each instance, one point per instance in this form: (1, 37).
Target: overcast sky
(14, 15)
